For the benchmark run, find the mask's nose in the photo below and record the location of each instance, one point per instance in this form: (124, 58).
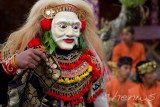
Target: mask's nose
(69, 31)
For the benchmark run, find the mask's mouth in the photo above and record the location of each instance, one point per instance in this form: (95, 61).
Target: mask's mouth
(69, 40)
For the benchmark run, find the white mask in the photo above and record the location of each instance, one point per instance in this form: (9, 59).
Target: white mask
(65, 30)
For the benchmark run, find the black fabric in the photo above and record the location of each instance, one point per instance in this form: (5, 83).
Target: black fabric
(89, 105)
(4, 79)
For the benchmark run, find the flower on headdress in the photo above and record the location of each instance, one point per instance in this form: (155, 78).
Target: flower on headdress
(34, 42)
(46, 24)
(83, 26)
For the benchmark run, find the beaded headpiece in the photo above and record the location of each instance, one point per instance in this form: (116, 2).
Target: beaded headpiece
(50, 12)
(147, 67)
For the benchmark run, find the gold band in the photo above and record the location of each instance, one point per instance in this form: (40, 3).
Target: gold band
(13, 62)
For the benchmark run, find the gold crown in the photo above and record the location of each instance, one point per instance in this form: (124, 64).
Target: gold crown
(50, 12)
(147, 67)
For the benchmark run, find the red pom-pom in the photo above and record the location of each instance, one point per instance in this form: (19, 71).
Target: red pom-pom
(89, 86)
(89, 101)
(94, 77)
(76, 102)
(93, 99)
(83, 26)
(78, 63)
(46, 24)
(54, 94)
(83, 91)
(72, 65)
(94, 68)
(81, 94)
(101, 90)
(73, 103)
(93, 64)
(80, 100)
(86, 89)
(68, 99)
(49, 93)
(34, 43)
(88, 58)
(86, 52)
(73, 97)
(98, 75)
(96, 72)
(94, 96)
(83, 57)
(98, 93)
(78, 96)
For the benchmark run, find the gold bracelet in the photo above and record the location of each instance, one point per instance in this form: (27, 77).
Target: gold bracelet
(13, 62)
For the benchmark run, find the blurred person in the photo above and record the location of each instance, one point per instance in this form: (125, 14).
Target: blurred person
(117, 89)
(146, 93)
(128, 47)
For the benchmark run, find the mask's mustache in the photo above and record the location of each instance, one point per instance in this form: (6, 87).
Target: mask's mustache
(65, 37)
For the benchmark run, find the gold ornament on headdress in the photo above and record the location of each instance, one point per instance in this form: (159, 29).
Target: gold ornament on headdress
(50, 12)
(147, 67)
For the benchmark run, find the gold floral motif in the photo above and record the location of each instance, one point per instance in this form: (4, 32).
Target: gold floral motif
(31, 97)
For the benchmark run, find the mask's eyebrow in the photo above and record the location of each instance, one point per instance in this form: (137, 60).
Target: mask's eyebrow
(77, 22)
(61, 21)
(65, 21)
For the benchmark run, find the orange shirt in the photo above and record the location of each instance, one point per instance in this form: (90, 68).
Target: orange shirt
(140, 94)
(117, 91)
(136, 52)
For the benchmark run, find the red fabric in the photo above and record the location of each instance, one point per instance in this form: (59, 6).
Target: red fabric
(9, 68)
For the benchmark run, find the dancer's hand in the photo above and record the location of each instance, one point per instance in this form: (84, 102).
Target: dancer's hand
(29, 58)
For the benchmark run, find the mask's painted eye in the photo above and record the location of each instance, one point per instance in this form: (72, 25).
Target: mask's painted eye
(75, 27)
(63, 26)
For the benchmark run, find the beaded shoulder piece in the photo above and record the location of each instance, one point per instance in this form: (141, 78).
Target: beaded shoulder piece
(80, 73)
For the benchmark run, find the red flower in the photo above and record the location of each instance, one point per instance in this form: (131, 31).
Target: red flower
(46, 24)
(34, 43)
(83, 26)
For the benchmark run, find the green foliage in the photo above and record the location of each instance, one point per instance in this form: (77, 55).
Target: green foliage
(132, 3)
(81, 43)
(48, 41)
(51, 45)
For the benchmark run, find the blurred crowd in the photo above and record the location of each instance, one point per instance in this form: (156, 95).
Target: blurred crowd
(133, 80)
